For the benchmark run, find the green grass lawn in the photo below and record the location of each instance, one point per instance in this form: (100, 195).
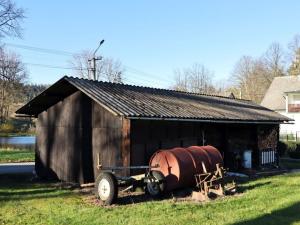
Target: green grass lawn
(16, 155)
(273, 200)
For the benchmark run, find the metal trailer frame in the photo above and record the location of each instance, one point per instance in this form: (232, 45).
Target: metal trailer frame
(107, 183)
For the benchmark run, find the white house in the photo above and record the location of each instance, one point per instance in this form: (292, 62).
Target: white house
(283, 96)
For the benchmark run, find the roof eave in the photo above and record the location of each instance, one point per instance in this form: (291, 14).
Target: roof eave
(210, 120)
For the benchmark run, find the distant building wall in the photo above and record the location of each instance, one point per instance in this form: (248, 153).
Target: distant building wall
(290, 128)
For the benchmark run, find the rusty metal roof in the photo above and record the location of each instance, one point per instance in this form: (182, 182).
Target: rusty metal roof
(144, 102)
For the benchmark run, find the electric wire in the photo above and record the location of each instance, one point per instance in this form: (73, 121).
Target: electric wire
(128, 69)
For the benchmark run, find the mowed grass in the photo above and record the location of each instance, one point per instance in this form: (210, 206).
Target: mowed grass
(273, 200)
(16, 155)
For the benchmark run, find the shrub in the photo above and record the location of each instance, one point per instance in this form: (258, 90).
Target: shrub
(293, 150)
(282, 147)
(7, 128)
(295, 154)
(292, 146)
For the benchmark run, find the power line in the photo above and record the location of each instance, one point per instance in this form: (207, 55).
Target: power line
(73, 68)
(129, 69)
(130, 79)
(42, 50)
(54, 67)
(146, 79)
(136, 71)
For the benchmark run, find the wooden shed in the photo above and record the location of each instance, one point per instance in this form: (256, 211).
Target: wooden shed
(77, 119)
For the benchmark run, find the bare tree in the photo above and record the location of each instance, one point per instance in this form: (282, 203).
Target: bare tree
(294, 56)
(10, 19)
(254, 76)
(294, 45)
(113, 70)
(12, 77)
(81, 64)
(107, 69)
(181, 80)
(197, 79)
(274, 61)
(241, 75)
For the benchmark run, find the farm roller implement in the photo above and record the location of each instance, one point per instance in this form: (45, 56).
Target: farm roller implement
(197, 167)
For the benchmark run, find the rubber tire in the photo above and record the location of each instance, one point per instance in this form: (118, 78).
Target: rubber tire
(113, 184)
(162, 184)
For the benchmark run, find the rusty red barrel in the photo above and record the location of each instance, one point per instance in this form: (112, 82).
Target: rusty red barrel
(179, 165)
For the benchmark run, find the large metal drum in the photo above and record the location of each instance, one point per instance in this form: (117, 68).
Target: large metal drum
(179, 165)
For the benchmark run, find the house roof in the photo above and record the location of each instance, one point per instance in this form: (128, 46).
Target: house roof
(143, 102)
(274, 97)
(296, 91)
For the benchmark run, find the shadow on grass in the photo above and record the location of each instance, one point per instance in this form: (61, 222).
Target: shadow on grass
(179, 195)
(241, 189)
(22, 187)
(288, 215)
(141, 197)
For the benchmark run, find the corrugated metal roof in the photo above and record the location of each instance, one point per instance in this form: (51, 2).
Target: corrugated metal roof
(140, 102)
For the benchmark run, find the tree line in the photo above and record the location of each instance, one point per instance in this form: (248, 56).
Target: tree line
(14, 86)
(250, 77)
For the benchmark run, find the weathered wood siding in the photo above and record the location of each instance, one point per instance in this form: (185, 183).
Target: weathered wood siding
(231, 139)
(107, 138)
(60, 143)
(71, 134)
(149, 136)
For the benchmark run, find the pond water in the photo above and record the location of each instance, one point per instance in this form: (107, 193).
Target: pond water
(21, 142)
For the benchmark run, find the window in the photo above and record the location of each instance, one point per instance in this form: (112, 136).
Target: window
(296, 99)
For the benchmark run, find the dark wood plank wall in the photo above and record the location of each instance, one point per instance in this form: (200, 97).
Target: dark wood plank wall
(107, 138)
(72, 133)
(149, 136)
(60, 141)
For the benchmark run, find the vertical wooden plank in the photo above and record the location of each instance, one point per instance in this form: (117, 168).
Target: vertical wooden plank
(125, 148)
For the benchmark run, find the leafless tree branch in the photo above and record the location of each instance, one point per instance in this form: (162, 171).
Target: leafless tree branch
(10, 19)
(107, 69)
(197, 79)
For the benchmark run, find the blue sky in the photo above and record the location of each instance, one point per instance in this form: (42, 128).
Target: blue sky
(154, 36)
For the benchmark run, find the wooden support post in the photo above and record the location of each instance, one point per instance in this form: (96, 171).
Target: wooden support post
(125, 152)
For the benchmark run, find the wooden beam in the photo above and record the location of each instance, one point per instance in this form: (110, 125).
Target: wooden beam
(125, 152)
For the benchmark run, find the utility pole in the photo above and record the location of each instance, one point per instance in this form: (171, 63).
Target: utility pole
(93, 64)
(93, 61)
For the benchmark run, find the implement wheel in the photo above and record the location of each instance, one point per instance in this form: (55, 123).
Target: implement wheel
(156, 184)
(106, 188)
